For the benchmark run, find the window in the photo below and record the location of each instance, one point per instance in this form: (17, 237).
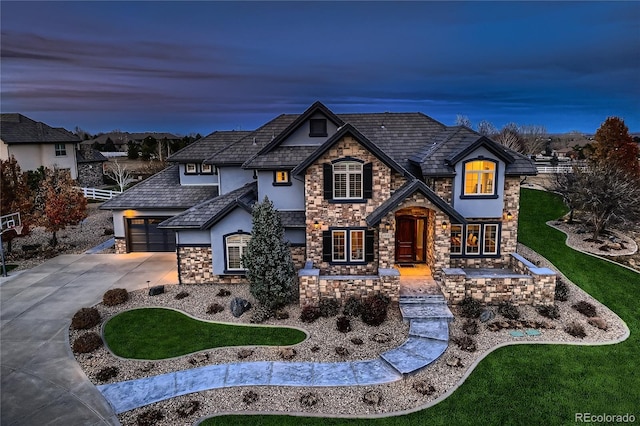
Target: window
(206, 169)
(339, 246)
(235, 245)
(479, 177)
(456, 239)
(473, 239)
(61, 150)
(348, 246)
(317, 127)
(190, 169)
(347, 180)
(281, 177)
(490, 245)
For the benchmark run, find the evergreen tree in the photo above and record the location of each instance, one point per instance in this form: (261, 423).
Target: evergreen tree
(267, 259)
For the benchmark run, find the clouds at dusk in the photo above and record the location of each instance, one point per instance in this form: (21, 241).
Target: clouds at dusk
(204, 66)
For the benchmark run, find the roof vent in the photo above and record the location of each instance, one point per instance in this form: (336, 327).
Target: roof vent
(254, 141)
(382, 126)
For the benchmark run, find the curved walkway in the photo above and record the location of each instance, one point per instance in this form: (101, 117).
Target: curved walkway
(428, 339)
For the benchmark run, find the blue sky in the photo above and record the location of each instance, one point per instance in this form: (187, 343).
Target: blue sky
(203, 66)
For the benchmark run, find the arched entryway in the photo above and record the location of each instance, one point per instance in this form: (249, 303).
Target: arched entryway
(414, 236)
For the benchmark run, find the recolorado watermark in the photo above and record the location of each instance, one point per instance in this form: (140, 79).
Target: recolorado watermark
(604, 418)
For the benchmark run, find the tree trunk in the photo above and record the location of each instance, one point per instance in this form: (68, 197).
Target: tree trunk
(54, 239)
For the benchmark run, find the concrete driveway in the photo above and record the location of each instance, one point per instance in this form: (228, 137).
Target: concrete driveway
(40, 381)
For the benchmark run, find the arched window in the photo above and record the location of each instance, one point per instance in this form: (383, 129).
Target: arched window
(235, 244)
(479, 177)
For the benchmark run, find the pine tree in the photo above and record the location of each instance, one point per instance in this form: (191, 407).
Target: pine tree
(267, 259)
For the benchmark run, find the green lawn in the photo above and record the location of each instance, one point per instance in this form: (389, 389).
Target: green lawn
(536, 384)
(156, 333)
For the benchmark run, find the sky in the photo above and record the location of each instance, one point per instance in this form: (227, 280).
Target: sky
(197, 67)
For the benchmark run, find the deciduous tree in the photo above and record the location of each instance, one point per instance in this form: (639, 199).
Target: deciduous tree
(15, 196)
(64, 204)
(615, 147)
(267, 259)
(120, 173)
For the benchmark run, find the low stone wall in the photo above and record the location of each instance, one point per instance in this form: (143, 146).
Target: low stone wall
(523, 284)
(314, 287)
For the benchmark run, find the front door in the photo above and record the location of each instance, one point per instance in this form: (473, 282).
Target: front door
(405, 239)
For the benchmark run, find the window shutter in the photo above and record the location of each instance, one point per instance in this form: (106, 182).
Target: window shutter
(328, 181)
(326, 246)
(367, 180)
(369, 246)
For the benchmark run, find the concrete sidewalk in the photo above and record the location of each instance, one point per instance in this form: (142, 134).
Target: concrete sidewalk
(40, 381)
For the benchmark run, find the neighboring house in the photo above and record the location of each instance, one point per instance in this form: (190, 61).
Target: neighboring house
(90, 167)
(358, 195)
(34, 144)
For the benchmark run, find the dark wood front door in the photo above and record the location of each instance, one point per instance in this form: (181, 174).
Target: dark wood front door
(405, 239)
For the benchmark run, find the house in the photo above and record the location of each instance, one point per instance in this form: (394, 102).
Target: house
(34, 144)
(360, 196)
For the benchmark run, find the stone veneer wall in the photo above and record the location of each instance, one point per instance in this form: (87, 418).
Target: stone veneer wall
(343, 214)
(299, 256)
(196, 267)
(443, 187)
(90, 174)
(121, 245)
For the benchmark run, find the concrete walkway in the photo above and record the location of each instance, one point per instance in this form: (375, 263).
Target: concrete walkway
(40, 381)
(428, 339)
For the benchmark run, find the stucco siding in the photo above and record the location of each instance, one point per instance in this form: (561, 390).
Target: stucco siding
(479, 207)
(233, 178)
(285, 197)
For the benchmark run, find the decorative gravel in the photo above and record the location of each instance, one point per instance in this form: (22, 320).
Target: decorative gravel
(346, 401)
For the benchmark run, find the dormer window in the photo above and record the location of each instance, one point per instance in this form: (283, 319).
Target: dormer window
(317, 127)
(190, 169)
(206, 169)
(479, 177)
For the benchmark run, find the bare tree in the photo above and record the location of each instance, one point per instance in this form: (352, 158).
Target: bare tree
(487, 128)
(509, 138)
(463, 120)
(120, 173)
(534, 138)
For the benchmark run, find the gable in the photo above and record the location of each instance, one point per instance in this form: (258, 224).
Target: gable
(307, 134)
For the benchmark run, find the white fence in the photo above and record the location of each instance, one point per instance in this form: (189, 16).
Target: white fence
(99, 194)
(558, 169)
(111, 154)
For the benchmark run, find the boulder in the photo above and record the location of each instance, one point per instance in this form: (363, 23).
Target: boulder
(287, 353)
(598, 322)
(487, 315)
(454, 361)
(156, 290)
(239, 306)
(372, 397)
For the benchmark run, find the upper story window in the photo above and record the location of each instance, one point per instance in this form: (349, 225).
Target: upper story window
(479, 177)
(190, 169)
(347, 180)
(198, 169)
(61, 150)
(281, 177)
(317, 127)
(235, 245)
(206, 169)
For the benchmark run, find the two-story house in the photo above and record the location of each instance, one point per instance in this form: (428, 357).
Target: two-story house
(359, 195)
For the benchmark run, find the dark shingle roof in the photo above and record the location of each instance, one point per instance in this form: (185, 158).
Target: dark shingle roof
(207, 213)
(162, 191)
(90, 156)
(16, 128)
(293, 219)
(282, 156)
(405, 191)
(208, 146)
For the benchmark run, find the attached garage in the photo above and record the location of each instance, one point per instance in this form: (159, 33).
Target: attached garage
(144, 235)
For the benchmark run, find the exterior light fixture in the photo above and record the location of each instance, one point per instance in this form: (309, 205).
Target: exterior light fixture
(445, 225)
(316, 225)
(509, 216)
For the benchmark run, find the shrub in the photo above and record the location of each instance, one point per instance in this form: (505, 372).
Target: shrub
(85, 318)
(309, 399)
(309, 313)
(182, 295)
(353, 307)
(508, 310)
(249, 397)
(586, 309)
(424, 388)
(282, 314)
(562, 291)
(115, 296)
(465, 343)
(343, 324)
(374, 310)
(549, 311)
(470, 307)
(107, 373)
(88, 342)
(223, 292)
(576, 330)
(470, 327)
(214, 308)
(329, 307)
(261, 314)
(188, 408)
(108, 231)
(149, 417)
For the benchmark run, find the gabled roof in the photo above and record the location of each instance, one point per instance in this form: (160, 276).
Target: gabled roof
(161, 191)
(17, 128)
(207, 146)
(345, 130)
(90, 156)
(209, 212)
(495, 148)
(407, 190)
(316, 107)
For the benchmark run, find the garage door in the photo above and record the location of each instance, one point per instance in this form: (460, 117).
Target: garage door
(144, 235)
